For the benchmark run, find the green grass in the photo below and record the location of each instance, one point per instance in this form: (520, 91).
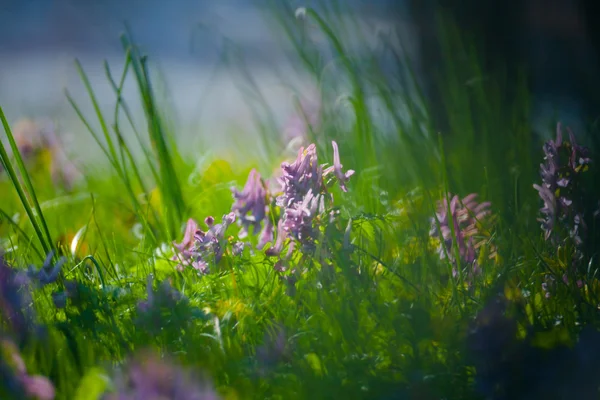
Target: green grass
(376, 314)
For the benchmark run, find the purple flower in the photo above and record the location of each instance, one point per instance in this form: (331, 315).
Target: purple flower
(298, 220)
(560, 191)
(303, 201)
(299, 177)
(199, 248)
(164, 295)
(31, 386)
(342, 177)
(185, 249)
(48, 273)
(277, 248)
(266, 235)
(15, 298)
(250, 204)
(274, 349)
(465, 219)
(148, 377)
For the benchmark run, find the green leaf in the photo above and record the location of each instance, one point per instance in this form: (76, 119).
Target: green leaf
(92, 385)
(315, 363)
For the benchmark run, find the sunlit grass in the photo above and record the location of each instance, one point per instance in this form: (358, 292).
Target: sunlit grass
(371, 310)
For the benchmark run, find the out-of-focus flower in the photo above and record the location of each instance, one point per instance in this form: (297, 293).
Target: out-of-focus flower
(39, 146)
(266, 235)
(277, 247)
(298, 220)
(165, 295)
(15, 298)
(342, 177)
(206, 247)
(22, 384)
(185, 249)
(562, 193)
(467, 218)
(147, 377)
(274, 349)
(306, 117)
(48, 273)
(250, 204)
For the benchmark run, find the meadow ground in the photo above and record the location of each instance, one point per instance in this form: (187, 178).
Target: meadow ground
(357, 253)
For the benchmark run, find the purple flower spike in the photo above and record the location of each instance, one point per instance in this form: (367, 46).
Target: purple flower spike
(148, 377)
(251, 203)
(560, 191)
(15, 296)
(299, 177)
(464, 219)
(266, 235)
(199, 248)
(337, 168)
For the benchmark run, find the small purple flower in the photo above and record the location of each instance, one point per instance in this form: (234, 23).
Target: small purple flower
(277, 248)
(15, 298)
(48, 273)
(164, 295)
(148, 377)
(238, 248)
(266, 235)
(31, 386)
(199, 248)
(274, 350)
(250, 204)
(186, 247)
(342, 177)
(298, 220)
(464, 218)
(560, 191)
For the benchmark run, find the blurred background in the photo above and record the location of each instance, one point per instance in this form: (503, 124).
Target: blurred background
(187, 39)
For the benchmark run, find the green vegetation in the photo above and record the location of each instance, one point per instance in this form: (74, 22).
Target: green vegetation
(393, 281)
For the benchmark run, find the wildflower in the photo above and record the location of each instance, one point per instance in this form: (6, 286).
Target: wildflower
(337, 168)
(299, 177)
(148, 377)
(298, 219)
(15, 298)
(199, 248)
(465, 218)
(165, 295)
(282, 235)
(238, 248)
(185, 248)
(48, 273)
(273, 350)
(560, 190)
(266, 235)
(252, 199)
(22, 383)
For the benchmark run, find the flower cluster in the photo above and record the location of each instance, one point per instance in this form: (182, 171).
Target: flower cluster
(15, 298)
(561, 191)
(302, 201)
(148, 377)
(461, 223)
(250, 207)
(201, 248)
(15, 378)
(303, 196)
